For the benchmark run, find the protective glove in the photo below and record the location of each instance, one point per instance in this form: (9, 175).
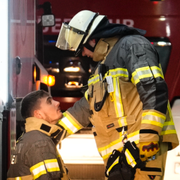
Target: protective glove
(132, 155)
(148, 149)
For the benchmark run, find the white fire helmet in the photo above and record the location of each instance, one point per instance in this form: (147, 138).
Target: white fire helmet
(76, 33)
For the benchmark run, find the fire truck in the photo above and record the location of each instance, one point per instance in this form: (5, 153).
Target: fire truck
(21, 70)
(30, 58)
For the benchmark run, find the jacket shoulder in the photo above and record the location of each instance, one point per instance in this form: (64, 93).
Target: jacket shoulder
(127, 41)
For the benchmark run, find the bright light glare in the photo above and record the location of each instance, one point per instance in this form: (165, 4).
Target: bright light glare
(4, 50)
(72, 69)
(177, 168)
(80, 149)
(162, 43)
(162, 18)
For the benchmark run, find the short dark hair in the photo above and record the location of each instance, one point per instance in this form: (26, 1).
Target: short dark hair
(31, 102)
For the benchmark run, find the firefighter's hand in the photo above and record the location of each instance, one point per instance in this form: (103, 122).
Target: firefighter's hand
(147, 150)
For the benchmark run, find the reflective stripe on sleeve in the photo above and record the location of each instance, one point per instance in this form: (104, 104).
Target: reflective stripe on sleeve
(141, 73)
(146, 72)
(168, 126)
(69, 124)
(157, 72)
(38, 170)
(52, 165)
(153, 118)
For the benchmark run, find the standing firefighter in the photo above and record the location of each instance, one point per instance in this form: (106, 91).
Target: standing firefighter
(126, 100)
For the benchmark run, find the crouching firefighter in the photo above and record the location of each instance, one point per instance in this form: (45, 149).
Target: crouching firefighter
(126, 100)
(36, 155)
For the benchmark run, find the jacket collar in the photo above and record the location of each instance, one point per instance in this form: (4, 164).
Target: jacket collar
(54, 131)
(104, 47)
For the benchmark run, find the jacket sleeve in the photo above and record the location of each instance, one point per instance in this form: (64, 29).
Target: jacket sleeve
(76, 117)
(141, 60)
(43, 162)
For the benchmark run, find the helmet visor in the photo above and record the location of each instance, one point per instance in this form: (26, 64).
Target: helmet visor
(69, 38)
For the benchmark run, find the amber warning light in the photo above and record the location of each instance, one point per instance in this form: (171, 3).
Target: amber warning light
(49, 80)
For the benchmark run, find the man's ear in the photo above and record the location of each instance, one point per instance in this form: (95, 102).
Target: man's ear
(37, 114)
(92, 42)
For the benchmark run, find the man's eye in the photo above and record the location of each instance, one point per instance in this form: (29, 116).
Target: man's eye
(49, 101)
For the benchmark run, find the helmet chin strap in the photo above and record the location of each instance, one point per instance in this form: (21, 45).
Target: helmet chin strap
(89, 47)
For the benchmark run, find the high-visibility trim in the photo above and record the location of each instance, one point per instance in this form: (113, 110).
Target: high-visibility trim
(93, 80)
(113, 164)
(141, 73)
(18, 178)
(118, 72)
(116, 95)
(152, 113)
(168, 128)
(38, 170)
(117, 98)
(69, 124)
(153, 118)
(168, 132)
(146, 72)
(86, 95)
(106, 151)
(130, 159)
(52, 165)
(122, 122)
(157, 72)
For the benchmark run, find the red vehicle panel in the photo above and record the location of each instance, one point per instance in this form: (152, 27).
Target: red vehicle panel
(158, 18)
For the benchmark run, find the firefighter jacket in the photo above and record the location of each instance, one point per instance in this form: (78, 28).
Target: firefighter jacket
(127, 97)
(35, 155)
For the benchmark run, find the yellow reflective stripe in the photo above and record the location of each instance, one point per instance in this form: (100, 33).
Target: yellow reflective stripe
(134, 137)
(107, 150)
(152, 113)
(118, 72)
(86, 94)
(168, 128)
(130, 159)
(114, 163)
(153, 118)
(141, 73)
(117, 98)
(147, 121)
(157, 72)
(112, 72)
(170, 112)
(38, 170)
(52, 165)
(168, 132)
(117, 144)
(18, 178)
(69, 124)
(93, 80)
(122, 122)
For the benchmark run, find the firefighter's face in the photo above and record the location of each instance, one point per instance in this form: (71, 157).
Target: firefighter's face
(50, 110)
(87, 52)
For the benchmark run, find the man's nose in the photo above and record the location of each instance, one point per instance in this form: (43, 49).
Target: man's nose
(57, 103)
